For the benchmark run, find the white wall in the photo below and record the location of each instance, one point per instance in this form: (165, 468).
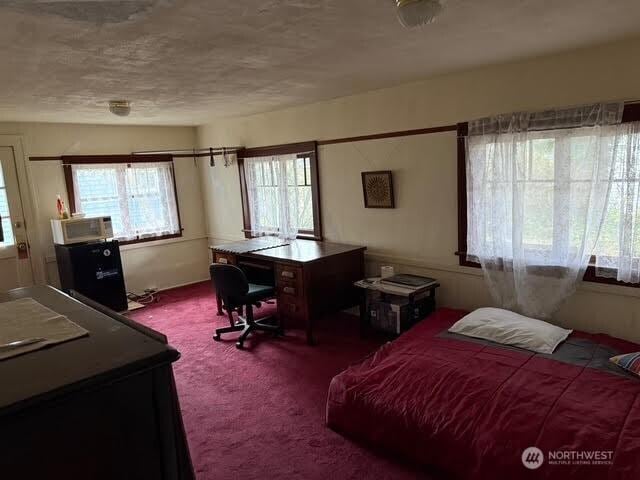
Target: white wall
(160, 264)
(421, 233)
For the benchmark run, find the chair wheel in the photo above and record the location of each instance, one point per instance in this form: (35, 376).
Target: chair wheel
(239, 345)
(216, 337)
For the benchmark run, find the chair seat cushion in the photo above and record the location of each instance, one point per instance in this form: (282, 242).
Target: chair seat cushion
(260, 292)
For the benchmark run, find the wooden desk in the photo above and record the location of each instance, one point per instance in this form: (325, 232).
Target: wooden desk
(311, 278)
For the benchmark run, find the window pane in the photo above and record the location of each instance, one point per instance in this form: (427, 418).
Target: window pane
(98, 195)
(264, 197)
(538, 215)
(608, 241)
(542, 162)
(305, 206)
(6, 220)
(139, 198)
(300, 171)
(7, 228)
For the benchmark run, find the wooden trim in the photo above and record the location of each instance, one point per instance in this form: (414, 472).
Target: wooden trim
(45, 159)
(309, 149)
(244, 196)
(71, 194)
(591, 276)
(463, 130)
(101, 159)
(315, 195)
(631, 113)
(284, 149)
(118, 159)
(175, 196)
(151, 239)
(400, 133)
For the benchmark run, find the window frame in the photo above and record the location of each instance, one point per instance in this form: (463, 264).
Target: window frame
(631, 113)
(69, 160)
(303, 150)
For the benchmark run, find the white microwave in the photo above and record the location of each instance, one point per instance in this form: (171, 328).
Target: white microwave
(78, 230)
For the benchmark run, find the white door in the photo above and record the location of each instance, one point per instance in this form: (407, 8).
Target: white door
(15, 264)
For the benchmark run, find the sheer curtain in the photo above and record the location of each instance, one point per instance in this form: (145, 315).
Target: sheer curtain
(618, 250)
(139, 197)
(537, 191)
(273, 195)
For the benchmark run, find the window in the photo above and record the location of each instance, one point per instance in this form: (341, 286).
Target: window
(7, 231)
(280, 191)
(138, 193)
(554, 171)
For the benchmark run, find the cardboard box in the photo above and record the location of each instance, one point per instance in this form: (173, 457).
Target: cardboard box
(395, 315)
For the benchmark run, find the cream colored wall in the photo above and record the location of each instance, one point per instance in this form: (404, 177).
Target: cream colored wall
(159, 264)
(420, 235)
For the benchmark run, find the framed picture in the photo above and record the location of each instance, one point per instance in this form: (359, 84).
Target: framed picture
(378, 189)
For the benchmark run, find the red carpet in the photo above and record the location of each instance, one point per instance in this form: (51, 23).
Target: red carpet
(259, 413)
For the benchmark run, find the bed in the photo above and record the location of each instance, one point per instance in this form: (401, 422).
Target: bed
(469, 408)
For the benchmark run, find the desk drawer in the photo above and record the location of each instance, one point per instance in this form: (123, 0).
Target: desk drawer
(288, 273)
(289, 281)
(291, 289)
(292, 311)
(226, 258)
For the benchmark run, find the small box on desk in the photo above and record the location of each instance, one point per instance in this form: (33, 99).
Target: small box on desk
(396, 315)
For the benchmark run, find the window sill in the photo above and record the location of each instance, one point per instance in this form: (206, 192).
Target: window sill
(550, 271)
(151, 239)
(156, 242)
(309, 237)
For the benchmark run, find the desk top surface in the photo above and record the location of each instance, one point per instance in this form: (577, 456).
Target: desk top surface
(111, 350)
(296, 251)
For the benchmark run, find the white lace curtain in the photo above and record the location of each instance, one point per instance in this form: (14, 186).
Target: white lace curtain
(139, 197)
(537, 192)
(618, 249)
(273, 196)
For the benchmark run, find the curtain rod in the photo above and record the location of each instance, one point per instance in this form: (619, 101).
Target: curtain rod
(192, 153)
(195, 152)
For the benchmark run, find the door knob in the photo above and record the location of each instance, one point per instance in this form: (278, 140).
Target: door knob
(23, 250)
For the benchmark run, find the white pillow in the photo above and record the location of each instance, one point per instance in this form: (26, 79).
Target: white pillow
(509, 328)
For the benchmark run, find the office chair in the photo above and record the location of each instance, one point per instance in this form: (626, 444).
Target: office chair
(237, 294)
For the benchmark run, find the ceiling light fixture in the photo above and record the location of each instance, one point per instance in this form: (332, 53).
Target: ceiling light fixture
(121, 108)
(414, 13)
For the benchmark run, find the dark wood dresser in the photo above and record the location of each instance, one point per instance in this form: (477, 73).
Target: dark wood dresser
(101, 407)
(312, 278)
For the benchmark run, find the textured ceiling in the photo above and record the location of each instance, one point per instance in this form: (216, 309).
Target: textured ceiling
(188, 61)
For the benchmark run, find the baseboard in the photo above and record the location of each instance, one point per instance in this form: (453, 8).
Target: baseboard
(186, 284)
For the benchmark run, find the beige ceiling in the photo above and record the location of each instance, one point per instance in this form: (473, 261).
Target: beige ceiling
(188, 61)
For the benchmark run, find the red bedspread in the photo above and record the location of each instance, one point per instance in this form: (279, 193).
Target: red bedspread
(471, 409)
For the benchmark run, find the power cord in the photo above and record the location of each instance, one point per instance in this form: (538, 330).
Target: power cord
(149, 296)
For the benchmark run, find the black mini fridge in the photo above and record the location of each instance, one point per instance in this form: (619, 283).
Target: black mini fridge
(94, 270)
